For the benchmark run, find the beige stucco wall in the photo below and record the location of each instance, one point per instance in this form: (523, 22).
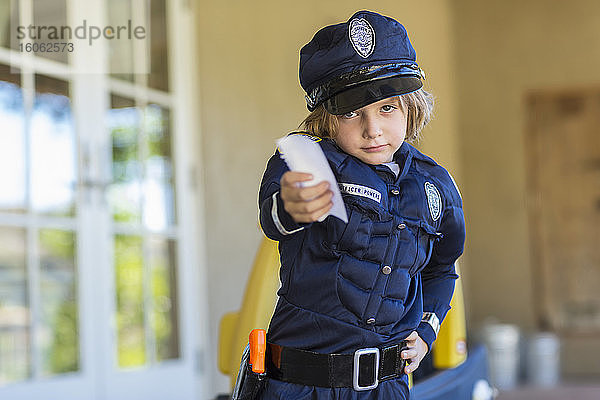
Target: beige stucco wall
(250, 96)
(505, 49)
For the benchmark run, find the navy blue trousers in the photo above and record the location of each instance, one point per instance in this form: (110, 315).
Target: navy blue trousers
(395, 389)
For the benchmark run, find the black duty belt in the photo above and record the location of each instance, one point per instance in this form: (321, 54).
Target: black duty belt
(362, 370)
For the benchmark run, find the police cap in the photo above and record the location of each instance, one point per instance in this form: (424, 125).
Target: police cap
(355, 63)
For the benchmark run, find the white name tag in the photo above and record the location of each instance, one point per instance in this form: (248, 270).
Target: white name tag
(359, 190)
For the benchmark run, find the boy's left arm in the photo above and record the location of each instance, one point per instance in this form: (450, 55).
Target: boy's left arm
(439, 275)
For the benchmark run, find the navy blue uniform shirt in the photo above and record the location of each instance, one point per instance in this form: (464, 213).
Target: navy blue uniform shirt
(366, 283)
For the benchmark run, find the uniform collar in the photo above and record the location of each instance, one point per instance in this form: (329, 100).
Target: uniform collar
(403, 157)
(416, 154)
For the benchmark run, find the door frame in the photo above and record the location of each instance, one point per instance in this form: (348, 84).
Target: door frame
(576, 343)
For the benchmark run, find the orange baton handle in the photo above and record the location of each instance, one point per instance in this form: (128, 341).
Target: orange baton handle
(258, 348)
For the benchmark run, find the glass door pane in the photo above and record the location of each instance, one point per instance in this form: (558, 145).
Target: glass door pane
(142, 164)
(121, 53)
(130, 301)
(147, 293)
(159, 67)
(59, 328)
(12, 142)
(49, 18)
(165, 321)
(125, 192)
(9, 20)
(159, 183)
(15, 338)
(53, 149)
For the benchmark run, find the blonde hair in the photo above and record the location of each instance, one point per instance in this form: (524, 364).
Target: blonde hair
(418, 106)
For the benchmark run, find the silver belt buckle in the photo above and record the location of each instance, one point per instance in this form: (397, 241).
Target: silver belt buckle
(357, 354)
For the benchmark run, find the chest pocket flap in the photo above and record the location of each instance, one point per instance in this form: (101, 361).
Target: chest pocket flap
(426, 238)
(365, 219)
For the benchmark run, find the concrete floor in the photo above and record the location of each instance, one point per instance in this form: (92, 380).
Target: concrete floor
(563, 392)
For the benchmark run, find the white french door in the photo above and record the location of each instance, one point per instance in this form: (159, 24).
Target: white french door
(98, 264)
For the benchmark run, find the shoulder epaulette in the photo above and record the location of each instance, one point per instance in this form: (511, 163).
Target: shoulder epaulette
(420, 156)
(307, 134)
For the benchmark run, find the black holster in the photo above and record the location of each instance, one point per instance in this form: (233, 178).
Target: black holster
(248, 384)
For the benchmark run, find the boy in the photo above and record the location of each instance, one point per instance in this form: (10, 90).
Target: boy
(360, 303)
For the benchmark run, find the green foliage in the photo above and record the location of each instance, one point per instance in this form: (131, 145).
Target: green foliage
(130, 301)
(64, 351)
(59, 308)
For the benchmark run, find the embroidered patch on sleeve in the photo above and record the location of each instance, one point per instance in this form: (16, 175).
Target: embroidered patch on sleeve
(434, 200)
(358, 190)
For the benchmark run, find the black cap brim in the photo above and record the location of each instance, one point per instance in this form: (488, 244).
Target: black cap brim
(370, 92)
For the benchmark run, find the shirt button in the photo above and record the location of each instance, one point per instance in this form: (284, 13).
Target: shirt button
(386, 270)
(401, 226)
(395, 192)
(371, 321)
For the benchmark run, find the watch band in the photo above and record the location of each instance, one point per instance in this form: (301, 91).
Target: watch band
(432, 320)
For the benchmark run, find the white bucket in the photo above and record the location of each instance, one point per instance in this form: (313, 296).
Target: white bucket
(543, 359)
(502, 342)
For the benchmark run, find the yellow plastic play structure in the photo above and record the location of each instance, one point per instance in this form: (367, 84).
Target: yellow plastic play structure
(258, 304)
(259, 300)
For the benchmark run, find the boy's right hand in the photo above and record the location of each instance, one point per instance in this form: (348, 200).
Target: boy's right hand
(304, 204)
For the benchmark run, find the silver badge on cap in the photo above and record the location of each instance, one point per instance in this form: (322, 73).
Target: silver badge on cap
(433, 200)
(362, 37)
